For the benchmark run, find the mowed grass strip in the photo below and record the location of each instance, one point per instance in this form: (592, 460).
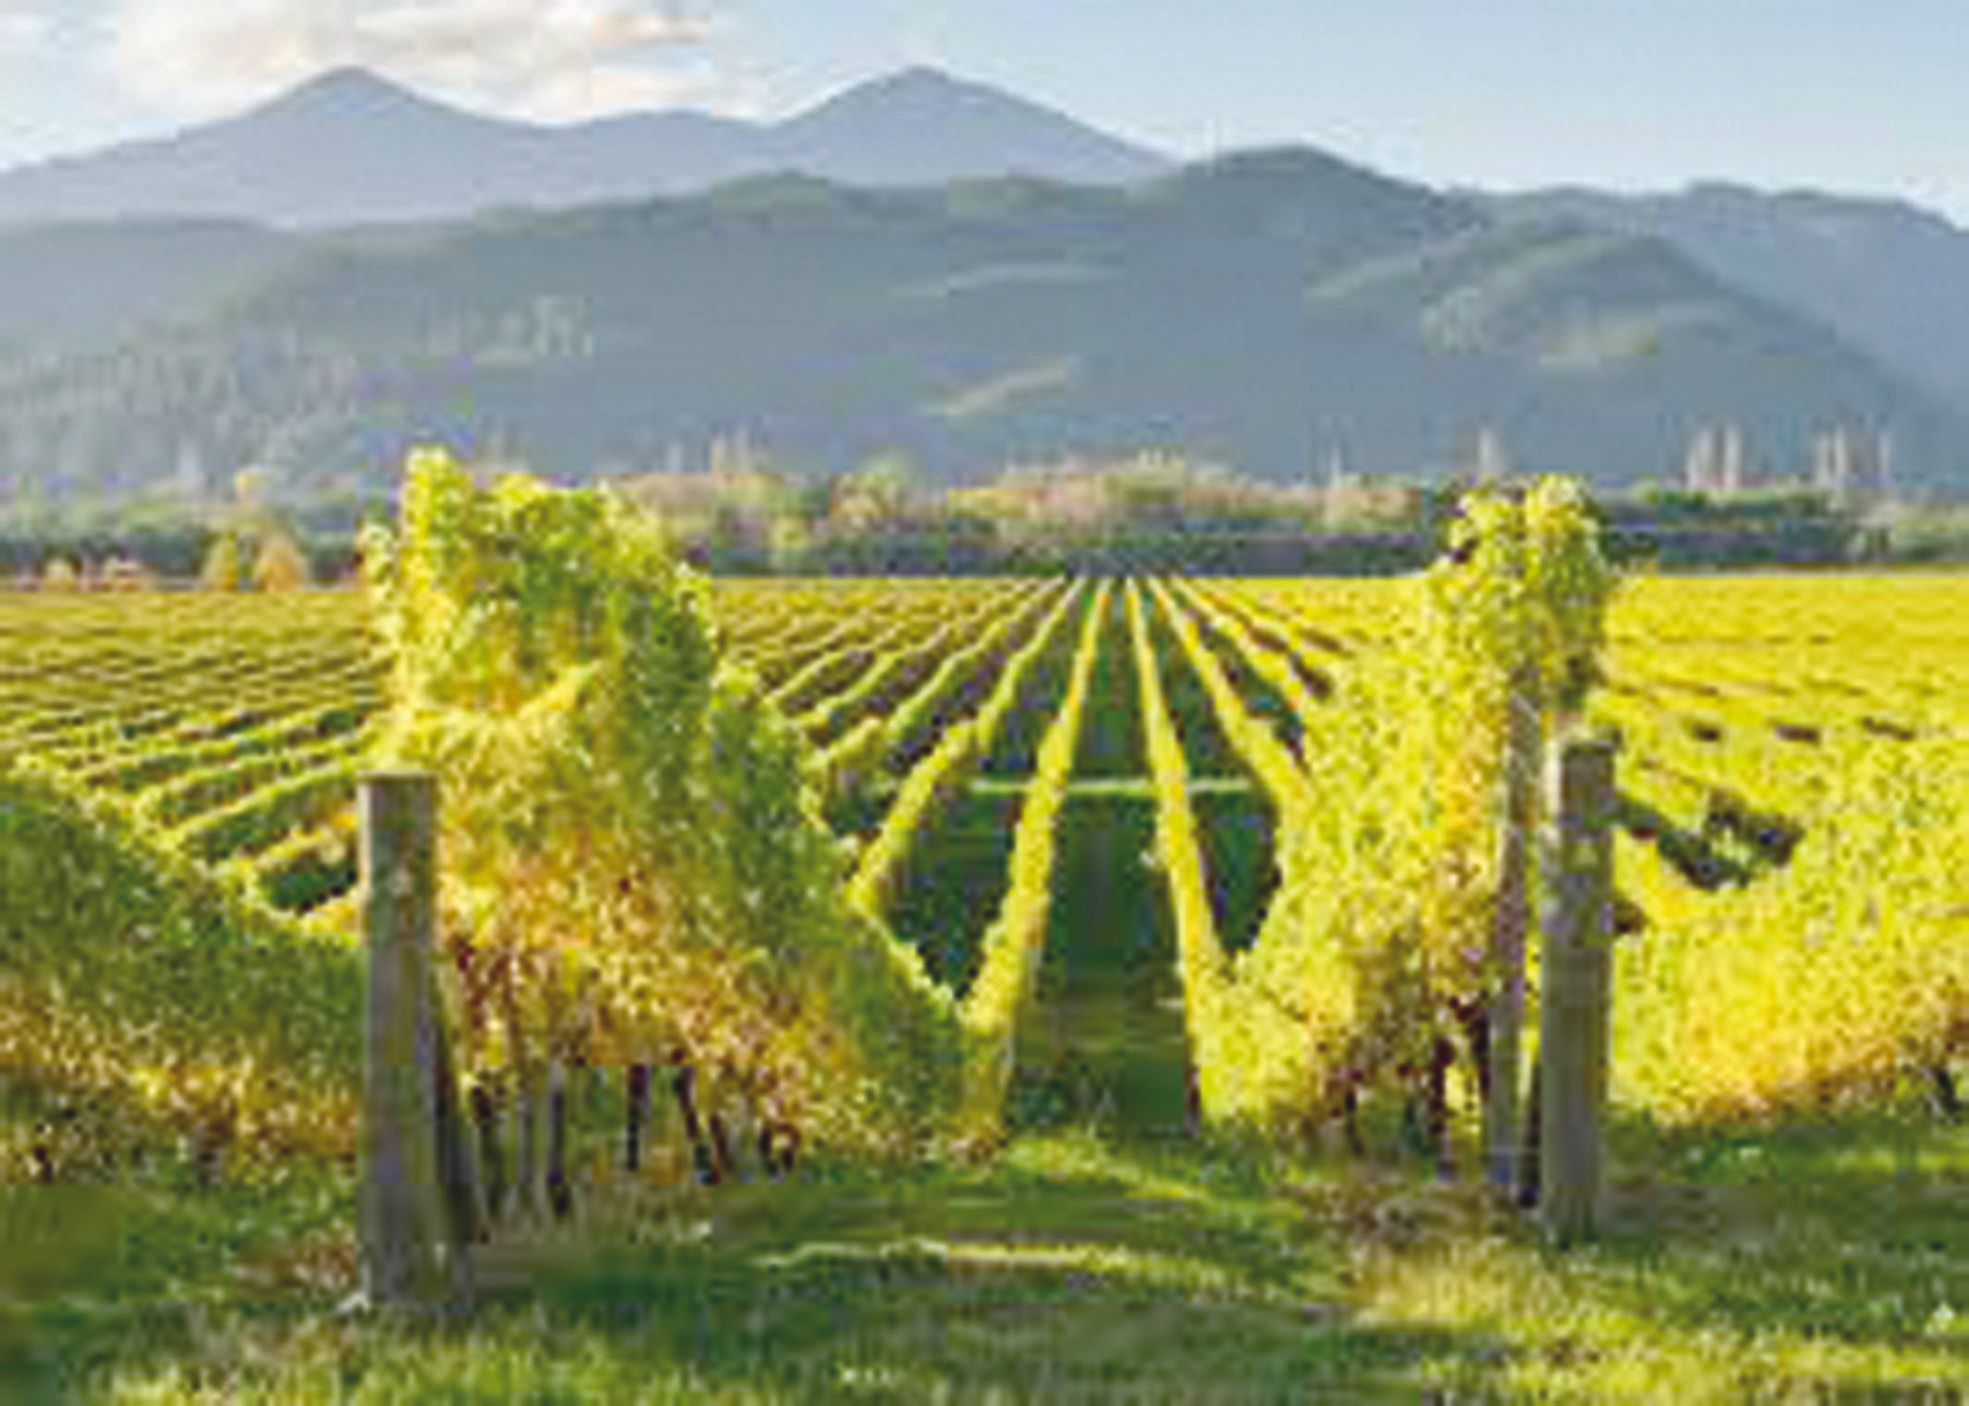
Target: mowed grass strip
(1808, 1264)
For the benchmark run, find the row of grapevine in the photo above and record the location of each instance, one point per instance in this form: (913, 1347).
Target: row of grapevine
(203, 756)
(869, 745)
(1845, 972)
(1792, 881)
(1252, 739)
(139, 970)
(1384, 953)
(1267, 654)
(636, 869)
(134, 976)
(896, 669)
(1015, 943)
(1819, 900)
(942, 774)
(1805, 903)
(1207, 997)
(1274, 1032)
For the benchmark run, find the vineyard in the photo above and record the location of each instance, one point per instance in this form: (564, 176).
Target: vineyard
(1101, 834)
(1120, 948)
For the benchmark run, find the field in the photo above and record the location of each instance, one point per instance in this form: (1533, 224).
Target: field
(1102, 774)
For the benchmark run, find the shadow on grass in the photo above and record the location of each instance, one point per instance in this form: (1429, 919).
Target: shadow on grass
(1067, 1271)
(1807, 1262)
(97, 1277)
(1854, 1229)
(1102, 1044)
(1070, 1269)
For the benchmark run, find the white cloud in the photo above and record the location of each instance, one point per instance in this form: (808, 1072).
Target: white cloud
(578, 92)
(544, 58)
(23, 29)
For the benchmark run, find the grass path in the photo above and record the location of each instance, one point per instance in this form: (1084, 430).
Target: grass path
(1786, 1266)
(1103, 1047)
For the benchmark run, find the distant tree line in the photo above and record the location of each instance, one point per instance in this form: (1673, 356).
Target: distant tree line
(1148, 512)
(1162, 512)
(251, 539)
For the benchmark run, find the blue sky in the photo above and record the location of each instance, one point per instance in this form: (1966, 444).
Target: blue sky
(1506, 93)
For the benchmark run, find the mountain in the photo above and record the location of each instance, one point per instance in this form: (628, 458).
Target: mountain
(68, 288)
(349, 147)
(346, 146)
(1891, 277)
(923, 127)
(1266, 309)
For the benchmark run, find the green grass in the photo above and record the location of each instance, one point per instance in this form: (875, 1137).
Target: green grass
(1801, 1265)
(953, 883)
(102, 1279)
(1102, 1044)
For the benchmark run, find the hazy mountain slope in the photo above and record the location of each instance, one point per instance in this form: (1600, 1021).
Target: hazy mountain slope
(1263, 309)
(1893, 278)
(341, 148)
(922, 127)
(66, 288)
(348, 147)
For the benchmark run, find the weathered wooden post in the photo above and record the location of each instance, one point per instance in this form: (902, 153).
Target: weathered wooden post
(1575, 984)
(1504, 1022)
(412, 1246)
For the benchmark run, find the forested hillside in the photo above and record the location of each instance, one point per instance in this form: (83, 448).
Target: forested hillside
(1276, 311)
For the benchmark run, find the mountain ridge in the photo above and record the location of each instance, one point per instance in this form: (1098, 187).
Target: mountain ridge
(1272, 307)
(1265, 309)
(1890, 275)
(348, 146)
(351, 148)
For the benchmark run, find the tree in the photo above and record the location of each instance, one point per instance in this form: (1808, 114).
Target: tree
(790, 543)
(126, 573)
(875, 495)
(221, 571)
(280, 564)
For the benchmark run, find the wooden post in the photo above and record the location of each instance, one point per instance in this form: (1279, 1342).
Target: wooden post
(1505, 1018)
(411, 1247)
(1576, 984)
